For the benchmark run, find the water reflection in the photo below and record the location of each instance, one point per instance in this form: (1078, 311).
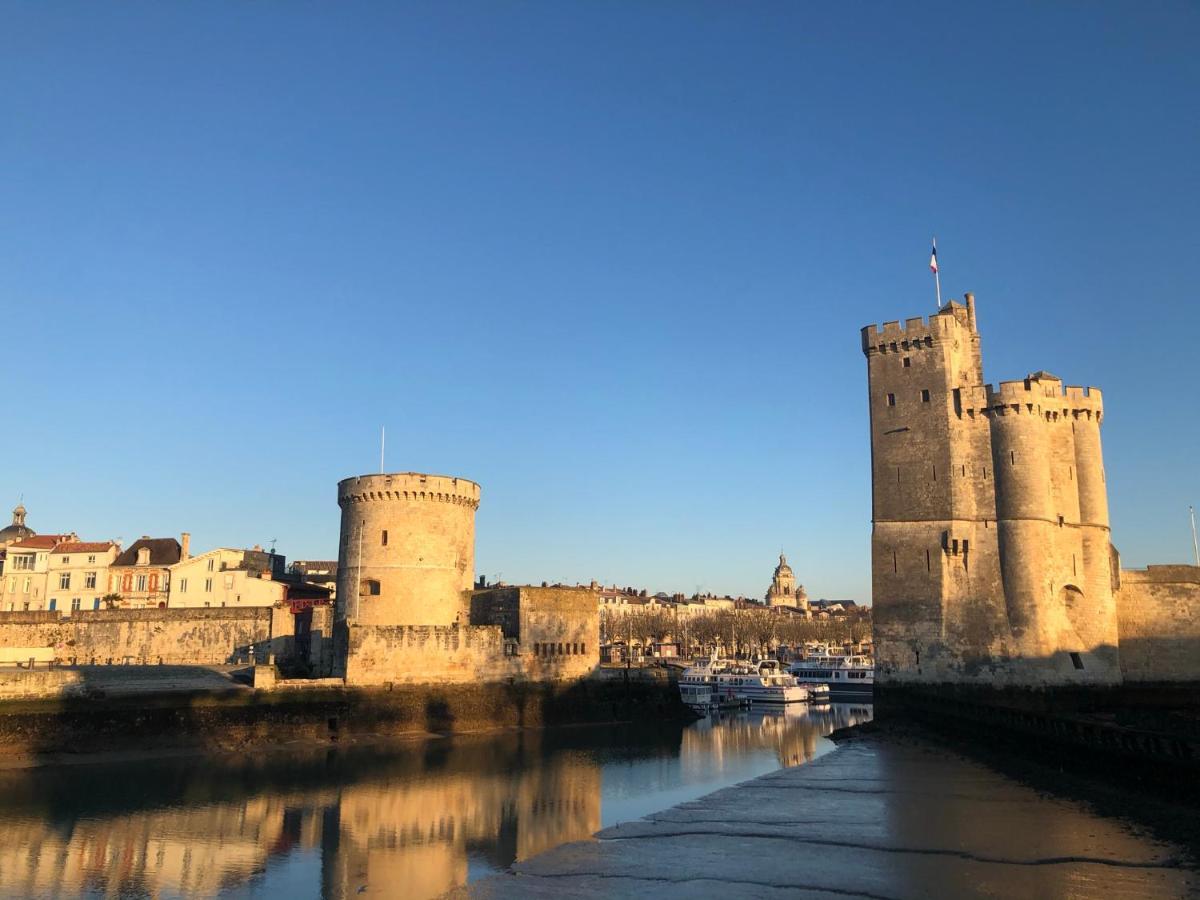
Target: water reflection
(412, 819)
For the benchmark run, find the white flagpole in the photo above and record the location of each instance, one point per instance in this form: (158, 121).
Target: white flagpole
(937, 278)
(1195, 545)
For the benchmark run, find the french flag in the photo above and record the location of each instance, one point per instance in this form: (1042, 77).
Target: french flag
(933, 260)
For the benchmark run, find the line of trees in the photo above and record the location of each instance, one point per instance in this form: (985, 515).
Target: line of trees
(732, 631)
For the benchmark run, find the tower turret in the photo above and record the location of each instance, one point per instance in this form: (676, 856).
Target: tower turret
(407, 549)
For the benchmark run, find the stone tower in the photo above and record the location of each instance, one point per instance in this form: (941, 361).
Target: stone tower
(990, 541)
(407, 549)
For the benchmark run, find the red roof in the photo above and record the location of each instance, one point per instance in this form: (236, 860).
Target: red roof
(84, 547)
(41, 542)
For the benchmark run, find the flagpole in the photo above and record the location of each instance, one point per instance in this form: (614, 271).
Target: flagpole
(937, 278)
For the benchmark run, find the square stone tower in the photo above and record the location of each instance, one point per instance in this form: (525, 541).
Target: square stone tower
(991, 560)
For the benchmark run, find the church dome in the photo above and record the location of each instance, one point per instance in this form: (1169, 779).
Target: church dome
(17, 531)
(783, 568)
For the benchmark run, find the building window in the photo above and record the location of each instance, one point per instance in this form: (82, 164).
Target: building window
(207, 586)
(89, 579)
(385, 537)
(891, 399)
(25, 587)
(907, 362)
(140, 583)
(75, 604)
(925, 396)
(91, 560)
(66, 559)
(64, 581)
(53, 604)
(96, 603)
(210, 565)
(370, 587)
(183, 585)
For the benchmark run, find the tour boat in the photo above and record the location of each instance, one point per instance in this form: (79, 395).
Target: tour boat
(848, 677)
(697, 684)
(764, 683)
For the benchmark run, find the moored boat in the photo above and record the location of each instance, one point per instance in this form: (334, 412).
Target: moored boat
(846, 677)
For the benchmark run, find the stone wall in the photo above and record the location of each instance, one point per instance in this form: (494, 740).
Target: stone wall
(516, 634)
(417, 654)
(1158, 609)
(200, 636)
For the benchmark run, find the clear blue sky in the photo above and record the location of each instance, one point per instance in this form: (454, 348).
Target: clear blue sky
(608, 259)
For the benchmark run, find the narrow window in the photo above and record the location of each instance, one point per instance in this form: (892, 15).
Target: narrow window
(895, 566)
(891, 399)
(925, 395)
(1060, 521)
(1074, 571)
(985, 473)
(935, 473)
(907, 363)
(928, 566)
(964, 471)
(1071, 473)
(385, 537)
(1012, 457)
(583, 649)
(1076, 661)
(897, 474)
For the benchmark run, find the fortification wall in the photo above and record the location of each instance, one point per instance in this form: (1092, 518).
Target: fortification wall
(407, 549)
(1158, 609)
(200, 636)
(516, 633)
(423, 654)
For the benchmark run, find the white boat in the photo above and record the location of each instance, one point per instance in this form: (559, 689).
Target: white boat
(846, 676)
(697, 684)
(761, 683)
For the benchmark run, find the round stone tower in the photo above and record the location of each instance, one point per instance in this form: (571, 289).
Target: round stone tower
(407, 549)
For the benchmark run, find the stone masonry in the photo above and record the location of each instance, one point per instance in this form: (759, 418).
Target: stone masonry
(991, 552)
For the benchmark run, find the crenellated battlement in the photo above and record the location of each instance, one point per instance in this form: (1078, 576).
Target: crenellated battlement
(920, 331)
(408, 486)
(1045, 393)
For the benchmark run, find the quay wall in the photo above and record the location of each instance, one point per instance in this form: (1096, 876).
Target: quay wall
(1158, 612)
(31, 732)
(200, 636)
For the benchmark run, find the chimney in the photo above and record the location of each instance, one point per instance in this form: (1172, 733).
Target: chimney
(185, 546)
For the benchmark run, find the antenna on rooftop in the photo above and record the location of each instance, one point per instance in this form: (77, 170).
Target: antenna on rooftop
(273, 540)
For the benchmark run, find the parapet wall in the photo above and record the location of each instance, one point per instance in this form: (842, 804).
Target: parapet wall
(198, 636)
(1158, 614)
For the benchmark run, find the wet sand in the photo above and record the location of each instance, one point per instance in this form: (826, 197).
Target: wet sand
(882, 817)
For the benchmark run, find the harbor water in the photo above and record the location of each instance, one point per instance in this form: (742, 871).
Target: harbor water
(387, 819)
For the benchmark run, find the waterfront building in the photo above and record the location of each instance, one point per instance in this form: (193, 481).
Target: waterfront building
(228, 577)
(77, 574)
(26, 565)
(141, 575)
(320, 572)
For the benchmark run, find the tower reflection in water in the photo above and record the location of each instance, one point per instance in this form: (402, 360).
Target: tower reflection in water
(410, 819)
